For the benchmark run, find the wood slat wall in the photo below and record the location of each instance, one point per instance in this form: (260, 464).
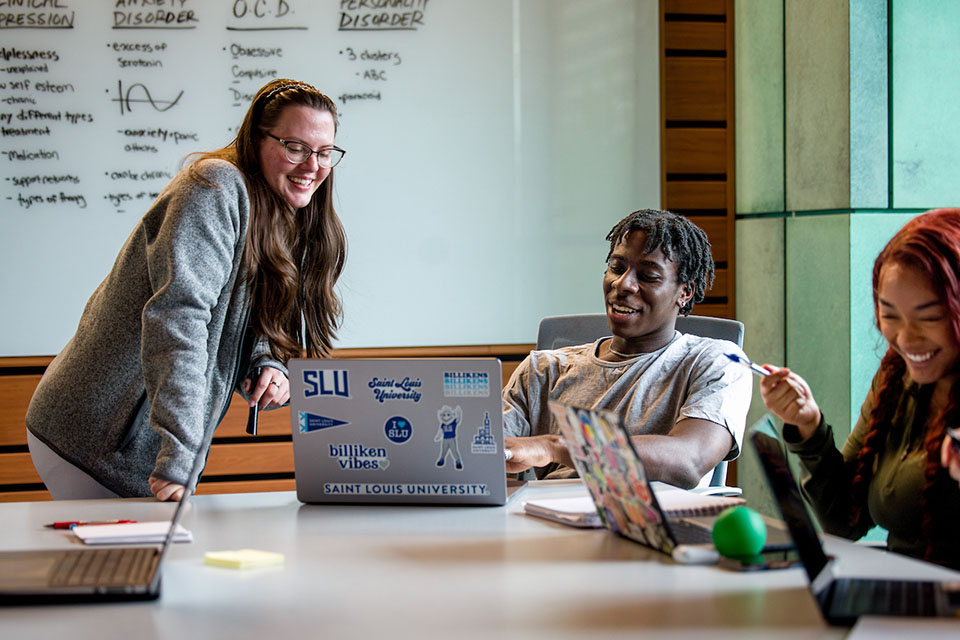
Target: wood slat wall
(697, 130)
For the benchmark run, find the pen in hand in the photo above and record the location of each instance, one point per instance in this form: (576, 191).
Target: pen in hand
(753, 366)
(252, 416)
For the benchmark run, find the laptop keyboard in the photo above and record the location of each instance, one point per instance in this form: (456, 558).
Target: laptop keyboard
(894, 597)
(687, 532)
(104, 567)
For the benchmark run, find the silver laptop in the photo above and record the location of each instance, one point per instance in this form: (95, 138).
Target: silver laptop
(53, 576)
(399, 430)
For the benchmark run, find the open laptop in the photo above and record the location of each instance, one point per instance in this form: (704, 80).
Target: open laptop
(843, 600)
(608, 463)
(88, 574)
(398, 430)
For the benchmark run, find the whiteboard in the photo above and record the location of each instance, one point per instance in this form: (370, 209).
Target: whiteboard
(491, 144)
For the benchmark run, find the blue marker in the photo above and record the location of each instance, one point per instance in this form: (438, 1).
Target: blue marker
(753, 366)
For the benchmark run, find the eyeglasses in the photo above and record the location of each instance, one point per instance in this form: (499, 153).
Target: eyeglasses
(298, 153)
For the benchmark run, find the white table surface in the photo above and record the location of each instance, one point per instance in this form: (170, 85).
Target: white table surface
(421, 572)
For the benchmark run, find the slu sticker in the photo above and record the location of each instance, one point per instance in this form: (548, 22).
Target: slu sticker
(483, 441)
(398, 429)
(394, 389)
(357, 457)
(326, 382)
(312, 422)
(466, 384)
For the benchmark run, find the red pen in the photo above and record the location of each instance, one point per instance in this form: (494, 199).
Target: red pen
(73, 523)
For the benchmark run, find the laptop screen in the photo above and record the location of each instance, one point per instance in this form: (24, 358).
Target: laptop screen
(788, 498)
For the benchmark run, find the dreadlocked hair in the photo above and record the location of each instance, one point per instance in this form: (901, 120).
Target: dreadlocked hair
(682, 242)
(292, 258)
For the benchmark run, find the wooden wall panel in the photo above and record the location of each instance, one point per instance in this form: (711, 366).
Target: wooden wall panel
(720, 284)
(696, 90)
(716, 229)
(695, 151)
(695, 36)
(701, 195)
(249, 458)
(697, 131)
(17, 468)
(24, 496)
(15, 394)
(696, 7)
(246, 486)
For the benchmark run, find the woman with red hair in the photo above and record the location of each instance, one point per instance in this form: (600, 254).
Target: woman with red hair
(893, 469)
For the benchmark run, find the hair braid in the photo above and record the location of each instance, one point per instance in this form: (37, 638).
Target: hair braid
(892, 368)
(933, 504)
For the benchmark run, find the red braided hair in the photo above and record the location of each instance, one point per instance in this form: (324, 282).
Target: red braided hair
(889, 389)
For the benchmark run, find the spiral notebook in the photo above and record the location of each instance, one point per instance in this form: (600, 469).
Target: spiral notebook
(580, 510)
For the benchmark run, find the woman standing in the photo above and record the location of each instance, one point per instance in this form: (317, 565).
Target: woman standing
(231, 271)
(889, 472)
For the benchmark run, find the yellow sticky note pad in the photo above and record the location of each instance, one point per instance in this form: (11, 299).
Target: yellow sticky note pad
(242, 558)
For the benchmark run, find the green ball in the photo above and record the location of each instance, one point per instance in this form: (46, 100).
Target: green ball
(739, 532)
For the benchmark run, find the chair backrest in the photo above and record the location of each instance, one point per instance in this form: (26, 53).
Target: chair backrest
(565, 331)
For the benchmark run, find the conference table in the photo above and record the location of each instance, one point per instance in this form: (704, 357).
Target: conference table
(381, 571)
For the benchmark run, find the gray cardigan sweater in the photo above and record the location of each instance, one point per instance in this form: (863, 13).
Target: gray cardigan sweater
(154, 361)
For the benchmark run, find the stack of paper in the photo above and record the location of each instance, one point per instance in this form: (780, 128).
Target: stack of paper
(130, 533)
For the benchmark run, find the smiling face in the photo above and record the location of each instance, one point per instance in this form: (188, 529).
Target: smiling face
(915, 322)
(643, 296)
(296, 183)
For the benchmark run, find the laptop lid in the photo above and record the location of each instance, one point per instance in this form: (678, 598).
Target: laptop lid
(398, 430)
(31, 576)
(613, 473)
(792, 508)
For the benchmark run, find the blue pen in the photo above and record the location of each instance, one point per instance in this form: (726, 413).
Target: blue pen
(753, 366)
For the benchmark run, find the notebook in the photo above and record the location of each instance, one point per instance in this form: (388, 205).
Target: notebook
(580, 510)
(90, 574)
(843, 599)
(399, 430)
(606, 460)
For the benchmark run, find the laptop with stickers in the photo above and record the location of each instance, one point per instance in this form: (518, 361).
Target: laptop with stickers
(399, 430)
(607, 461)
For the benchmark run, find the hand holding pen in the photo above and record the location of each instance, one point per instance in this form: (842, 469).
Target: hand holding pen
(267, 388)
(786, 395)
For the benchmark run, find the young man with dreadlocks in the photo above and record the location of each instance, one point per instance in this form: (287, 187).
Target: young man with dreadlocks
(683, 402)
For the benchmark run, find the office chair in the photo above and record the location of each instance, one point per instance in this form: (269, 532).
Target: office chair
(565, 331)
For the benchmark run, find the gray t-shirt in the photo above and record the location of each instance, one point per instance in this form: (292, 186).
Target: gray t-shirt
(688, 378)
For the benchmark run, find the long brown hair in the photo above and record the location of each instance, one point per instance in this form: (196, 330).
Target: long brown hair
(930, 243)
(292, 258)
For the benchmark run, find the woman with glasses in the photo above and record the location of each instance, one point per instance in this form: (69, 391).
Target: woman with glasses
(229, 274)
